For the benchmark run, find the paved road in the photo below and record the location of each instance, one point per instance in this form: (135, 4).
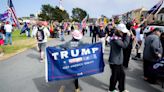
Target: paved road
(24, 73)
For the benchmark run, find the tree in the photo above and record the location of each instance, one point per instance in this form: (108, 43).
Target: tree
(60, 15)
(50, 13)
(78, 14)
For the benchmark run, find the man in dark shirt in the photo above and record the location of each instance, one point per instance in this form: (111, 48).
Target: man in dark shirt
(152, 53)
(94, 30)
(102, 35)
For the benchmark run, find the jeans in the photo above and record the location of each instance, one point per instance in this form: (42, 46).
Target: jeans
(102, 40)
(29, 33)
(118, 75)
(8, 37)
(76, 83)
(62, 37)
(94, 39)
(149, 72)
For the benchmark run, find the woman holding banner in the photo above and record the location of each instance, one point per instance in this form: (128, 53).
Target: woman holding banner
(116, 58)
(74, 43)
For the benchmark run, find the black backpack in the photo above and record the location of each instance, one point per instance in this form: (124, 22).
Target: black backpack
(40, 34)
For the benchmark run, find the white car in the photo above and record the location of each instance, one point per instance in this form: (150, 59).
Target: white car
(149, 27)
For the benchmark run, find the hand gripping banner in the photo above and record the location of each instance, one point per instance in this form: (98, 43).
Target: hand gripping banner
(73, 63)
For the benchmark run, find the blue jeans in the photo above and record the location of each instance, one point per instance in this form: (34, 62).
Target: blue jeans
(8, 36)
(62, 37)
(28, 32)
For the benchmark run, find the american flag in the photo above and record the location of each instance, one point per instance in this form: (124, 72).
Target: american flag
(65, 25)
(84, 22)
(156, 7)
(12, 11)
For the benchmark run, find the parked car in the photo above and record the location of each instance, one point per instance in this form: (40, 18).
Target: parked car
(150, 28)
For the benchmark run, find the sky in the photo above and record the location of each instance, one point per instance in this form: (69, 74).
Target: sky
(95, 8)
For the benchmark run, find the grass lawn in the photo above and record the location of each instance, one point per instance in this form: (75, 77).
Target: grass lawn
(19, 42)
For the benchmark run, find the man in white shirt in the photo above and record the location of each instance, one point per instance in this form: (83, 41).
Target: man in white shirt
(42, 34)
(8, 28)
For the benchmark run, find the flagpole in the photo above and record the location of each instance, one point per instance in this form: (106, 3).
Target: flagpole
(145, 20)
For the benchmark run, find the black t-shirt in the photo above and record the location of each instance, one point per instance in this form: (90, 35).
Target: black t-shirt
(94, 30)
(2, 29)
(72, 28)
(102, 33)
(109, 32)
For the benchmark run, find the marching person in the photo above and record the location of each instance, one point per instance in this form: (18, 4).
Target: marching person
(8, 29)
(127, 51)
(94, 31)
(152, 52)
(116, 58)
(102, 36)
(42, 34)
(74, 43)
(90, 30)
(62, 33)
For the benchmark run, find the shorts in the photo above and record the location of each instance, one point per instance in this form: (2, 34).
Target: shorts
(41, 46)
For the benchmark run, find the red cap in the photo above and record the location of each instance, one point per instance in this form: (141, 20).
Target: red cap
(7, 22)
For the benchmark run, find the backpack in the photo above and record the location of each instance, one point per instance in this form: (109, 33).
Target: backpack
(40, 34)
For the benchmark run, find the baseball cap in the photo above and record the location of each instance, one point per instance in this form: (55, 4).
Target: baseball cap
(77, 34)
(122, 28)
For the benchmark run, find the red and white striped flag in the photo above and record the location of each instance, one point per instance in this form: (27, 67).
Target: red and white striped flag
(84, 22)
(13, 13)
(65, 25)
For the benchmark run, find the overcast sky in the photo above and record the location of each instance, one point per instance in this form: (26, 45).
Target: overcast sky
(95, 8)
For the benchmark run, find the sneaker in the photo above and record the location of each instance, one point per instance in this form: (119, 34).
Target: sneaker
(62, 89)
(41, 60)
(77, 90)
(113, 91)
(125, 91)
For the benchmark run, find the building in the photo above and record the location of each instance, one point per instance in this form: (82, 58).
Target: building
(139, 15)
(160, 15)
(92, 20)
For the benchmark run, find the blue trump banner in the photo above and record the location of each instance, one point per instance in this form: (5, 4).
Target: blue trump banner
(158, 67)
(73, 63)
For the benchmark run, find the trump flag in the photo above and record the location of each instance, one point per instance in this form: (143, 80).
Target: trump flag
(73, 63)
(4, 16)
(156, 7)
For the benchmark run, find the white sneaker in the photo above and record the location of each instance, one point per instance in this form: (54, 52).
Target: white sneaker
(41, 60)
(62, 88)
(125, 91)
(113, 91)
(77, 90)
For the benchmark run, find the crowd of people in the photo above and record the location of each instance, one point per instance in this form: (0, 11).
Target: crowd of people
(121, 38)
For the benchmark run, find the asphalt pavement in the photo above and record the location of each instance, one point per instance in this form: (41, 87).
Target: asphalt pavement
(24, 73)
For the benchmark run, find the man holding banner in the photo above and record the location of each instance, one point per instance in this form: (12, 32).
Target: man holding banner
(74, 59)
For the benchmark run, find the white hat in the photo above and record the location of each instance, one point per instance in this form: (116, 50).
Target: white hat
(122, 28)
(77, 34)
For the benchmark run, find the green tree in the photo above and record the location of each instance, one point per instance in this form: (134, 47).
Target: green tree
(50, 13)
(78, 14)
(60, 15)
